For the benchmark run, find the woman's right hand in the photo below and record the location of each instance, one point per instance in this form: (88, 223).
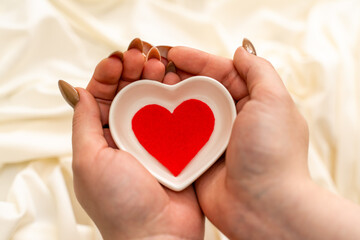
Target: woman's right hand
(262, 188)
(267, 153)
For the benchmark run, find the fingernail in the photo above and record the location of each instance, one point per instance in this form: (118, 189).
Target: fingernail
(136, 43)
(248, 46)
(146, 47)
(117, 54)
(153, 53)
(170, 67)
(164, 50)
(69, 93)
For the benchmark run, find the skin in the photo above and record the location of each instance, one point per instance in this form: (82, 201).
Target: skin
(267, 130)
(261, 189)
(119, 194)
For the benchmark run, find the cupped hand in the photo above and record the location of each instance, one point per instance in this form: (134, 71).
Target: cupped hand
(245, 194)
(124, 200)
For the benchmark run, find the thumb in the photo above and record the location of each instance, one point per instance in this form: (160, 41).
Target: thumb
(88, 136)
(259, 75)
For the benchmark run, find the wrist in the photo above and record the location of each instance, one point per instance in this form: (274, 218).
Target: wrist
(154, 237)
(162, 236)
(297, 202)
(265, 211)
(142, 236)
(285, 202)
(317, 213)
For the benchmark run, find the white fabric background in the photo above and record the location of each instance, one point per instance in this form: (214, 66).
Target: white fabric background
(313, 44)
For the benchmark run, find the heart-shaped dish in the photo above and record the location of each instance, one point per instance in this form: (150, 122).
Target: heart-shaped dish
(141, 93)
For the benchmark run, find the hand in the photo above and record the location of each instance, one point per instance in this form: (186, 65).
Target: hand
(262, 189)
(124, 200)
(267, 153)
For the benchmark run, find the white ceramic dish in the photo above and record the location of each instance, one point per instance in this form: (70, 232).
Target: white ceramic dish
(144, 92)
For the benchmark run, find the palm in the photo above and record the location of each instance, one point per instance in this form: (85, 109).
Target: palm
(121, 190)
(236, 195)
(250, 133)
(116, 173)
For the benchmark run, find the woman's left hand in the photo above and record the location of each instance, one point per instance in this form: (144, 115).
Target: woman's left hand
(124, 200)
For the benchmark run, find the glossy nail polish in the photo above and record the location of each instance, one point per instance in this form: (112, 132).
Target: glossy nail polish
(69, 93)
(164, 50)
(146, 47)
(170, 67)
(153, 53)
(137, 44)
(117, 54)
(248, 46)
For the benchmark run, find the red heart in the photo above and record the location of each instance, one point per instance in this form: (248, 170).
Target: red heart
(174, 138)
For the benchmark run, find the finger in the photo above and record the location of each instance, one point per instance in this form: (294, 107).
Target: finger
(108, 138)
(105, 80)
(88, 137)
(196, 62)
(183, 75)
(104, 83)
(240, 104)
(153, 68)
(171, 76)
(259, 75)
(133, 61)
(207, 185)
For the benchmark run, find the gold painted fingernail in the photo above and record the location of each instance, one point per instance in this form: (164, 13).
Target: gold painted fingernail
(117, 54)
(146, 47)
(136, 43)
(153, 53)
(164, 50)
(69, 93)
(248, 46)
(170, 67)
